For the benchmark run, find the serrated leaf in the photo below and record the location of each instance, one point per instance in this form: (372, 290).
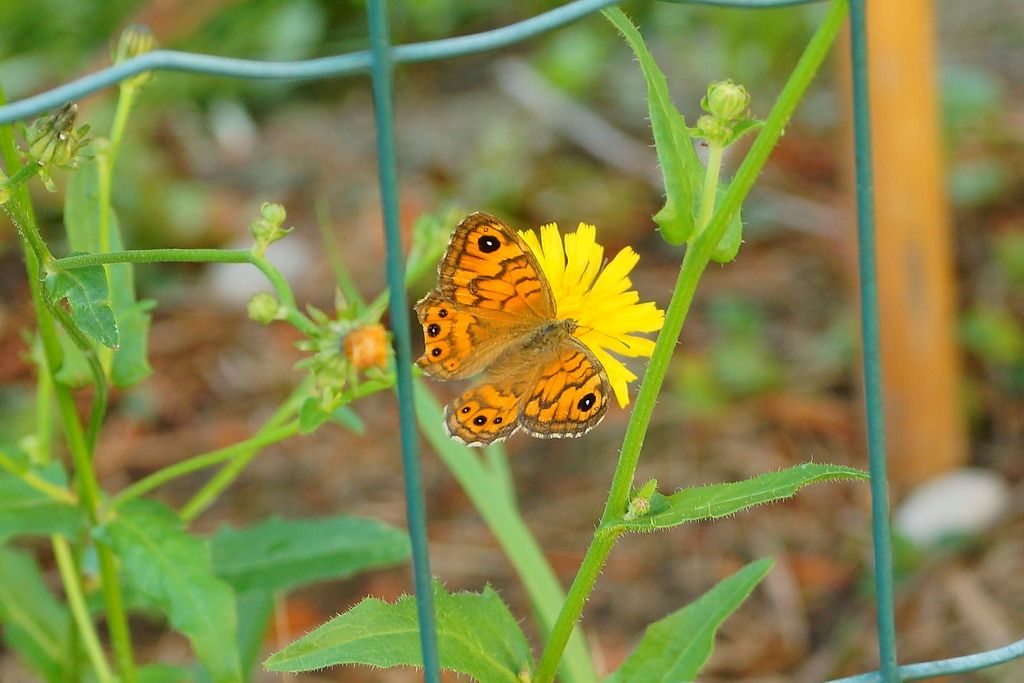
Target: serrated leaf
(26, 510)
(720, 500)
(281, 554)
(82, 222)
(681, 168)
(35, 624)
(86, 291)
(172, 568)
(476, 634)
(674, 649)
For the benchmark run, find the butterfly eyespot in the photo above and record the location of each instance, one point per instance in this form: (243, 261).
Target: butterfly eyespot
(488, 244)
(587, 402)
(465, 409)
(443, 313)
(433, 329)
(436, 351)
(479, 420)
(497, 420)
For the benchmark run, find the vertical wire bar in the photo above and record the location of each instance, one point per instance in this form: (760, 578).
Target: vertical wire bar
(888, 667)
(380, 71)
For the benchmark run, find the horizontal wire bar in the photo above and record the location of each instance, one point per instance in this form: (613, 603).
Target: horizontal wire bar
(946, 667)
(324, 67)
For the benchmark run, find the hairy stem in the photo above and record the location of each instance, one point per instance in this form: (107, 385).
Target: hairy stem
(696, 259)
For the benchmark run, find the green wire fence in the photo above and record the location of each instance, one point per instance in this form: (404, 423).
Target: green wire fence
(379, 61)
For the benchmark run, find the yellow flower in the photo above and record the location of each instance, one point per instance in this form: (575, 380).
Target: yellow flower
(598, 297)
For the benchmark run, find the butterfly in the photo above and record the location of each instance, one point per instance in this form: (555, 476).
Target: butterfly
(493, 314)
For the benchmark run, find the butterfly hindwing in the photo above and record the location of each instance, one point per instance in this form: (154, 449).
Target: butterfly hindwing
(570, 394)
(484, 414)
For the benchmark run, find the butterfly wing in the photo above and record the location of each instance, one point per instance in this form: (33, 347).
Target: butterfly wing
(491, 292)
(569, 396)
(484, 414)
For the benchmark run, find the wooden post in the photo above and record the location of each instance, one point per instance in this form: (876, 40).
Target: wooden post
(924, 421)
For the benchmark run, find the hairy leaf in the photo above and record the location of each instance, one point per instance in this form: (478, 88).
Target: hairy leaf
(280, 554)
(675, 648)
(172, 568)
(680, 166)
(35, 624)
(477, 636)
(720, 500)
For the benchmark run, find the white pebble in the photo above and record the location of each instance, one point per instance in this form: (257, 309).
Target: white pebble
(962, 503)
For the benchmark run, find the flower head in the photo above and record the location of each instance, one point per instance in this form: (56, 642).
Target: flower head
(599, 297)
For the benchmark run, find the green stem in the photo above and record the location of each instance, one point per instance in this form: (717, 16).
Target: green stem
(43, 452)
(32, 479)
(280, 285)
(696, 259)
(711, 175)
(261, 439)
(21, 176)
(490, 488)
(36, 257)
(205, 496)
(79, 610)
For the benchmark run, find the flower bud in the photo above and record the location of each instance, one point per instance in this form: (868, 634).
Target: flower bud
(726, 101)
(264, 308)
(267, 230)
(135, 40)
(53, 140)
(713, 129)
(368, 346)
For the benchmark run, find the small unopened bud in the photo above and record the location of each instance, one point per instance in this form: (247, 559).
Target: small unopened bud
(264, 308)
(713, 130)
(640, 504)
(267, 230)
(134, 41)
(368, 347)
(726, 101)
(53, 140)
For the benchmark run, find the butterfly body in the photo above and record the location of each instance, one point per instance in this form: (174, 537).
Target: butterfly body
(493, 314)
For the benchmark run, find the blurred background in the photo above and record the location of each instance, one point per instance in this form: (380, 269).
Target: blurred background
(767, 374)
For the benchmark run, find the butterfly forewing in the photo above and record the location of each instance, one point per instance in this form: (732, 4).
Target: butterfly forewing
(490, 294)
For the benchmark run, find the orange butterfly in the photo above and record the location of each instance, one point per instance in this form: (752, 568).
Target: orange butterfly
(493, 313)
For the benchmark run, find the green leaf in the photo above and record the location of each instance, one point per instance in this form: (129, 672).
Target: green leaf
(255, 608)
(476, 633)
(35, 623)
(675, 648)
(281, 554)
(82, 221)
(729, 245)
(311, 415)
(720, 500)
(26, 510)
(680, 166)
(74, 368)
(86, 291)
(349, 419)
(172, 568)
